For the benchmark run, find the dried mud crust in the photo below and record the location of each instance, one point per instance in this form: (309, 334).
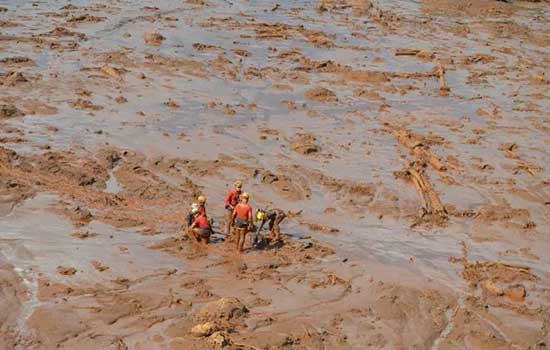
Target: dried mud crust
(189, 312)
(82, 182)
(497, 288)
(12, 296)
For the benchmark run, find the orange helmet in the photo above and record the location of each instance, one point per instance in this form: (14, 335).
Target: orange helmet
(201, 199)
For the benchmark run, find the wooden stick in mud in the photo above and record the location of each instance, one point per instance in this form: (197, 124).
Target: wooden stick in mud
(440, 71)
(417, 184)
(429, 197)
(418, 148)
(407, 52)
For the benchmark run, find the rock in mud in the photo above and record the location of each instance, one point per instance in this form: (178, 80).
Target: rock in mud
(204, 329)
(82, 213)
(219, 339)
(224, 308)
(516, 293)
(304, 144)
(491, 288)
(153, 38)
(9, 111)
(12, 78)
(121, 100)
(321, 94)
(66, 271)
(113, 71)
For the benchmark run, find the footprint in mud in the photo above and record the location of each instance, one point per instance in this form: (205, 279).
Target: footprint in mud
(66, 271)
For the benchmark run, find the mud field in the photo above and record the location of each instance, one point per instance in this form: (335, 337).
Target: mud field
(408, 141)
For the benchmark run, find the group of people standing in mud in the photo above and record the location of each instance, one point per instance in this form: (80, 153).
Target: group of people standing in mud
(240, 219)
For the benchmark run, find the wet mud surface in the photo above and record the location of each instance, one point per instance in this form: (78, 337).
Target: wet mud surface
(408, 142)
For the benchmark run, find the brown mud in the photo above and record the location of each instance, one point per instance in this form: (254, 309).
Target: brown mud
(407, 141)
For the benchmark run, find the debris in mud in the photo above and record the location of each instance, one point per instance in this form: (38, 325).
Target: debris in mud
(12, 78)
(121, 100)
(17, 61)
(330, 279)
(359, 7)
(433, 210)
(516, 293)
(242, 52)
(99, 266)
(64, 32)
(8, 24)
(69, 7)
(468, 8)
(368, 94)
(222, 309)
(363, 77)
(79, 215)
(291, 188)
(85, 18)
(420, 147)
(153, 38)
(113, 71)
(83, 104)
(219, 339)
(204, 329)
(321, 94)
(320, 228)
(540, 79)
(83, 235)
(66, 271)
(424, 54)
(478, 58)
(490, 220)
(496, 272)
(9, 111)
(443, 87)
(304, 144)
(205, 47)
(171, 103)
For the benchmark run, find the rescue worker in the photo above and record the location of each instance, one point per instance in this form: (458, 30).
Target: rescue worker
(201, 200)
(200, 229)
(274, 217)
(231, 201)
(192, 214)
(242, 219)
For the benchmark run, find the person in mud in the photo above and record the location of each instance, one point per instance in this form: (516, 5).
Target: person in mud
(242, 220)
(200, 229)
(192, 214)
(231, 201)
(273, 217)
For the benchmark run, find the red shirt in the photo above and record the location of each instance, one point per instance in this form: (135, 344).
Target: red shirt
(202, 210)
(243, 210)
(201, 222)
(232, 198)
